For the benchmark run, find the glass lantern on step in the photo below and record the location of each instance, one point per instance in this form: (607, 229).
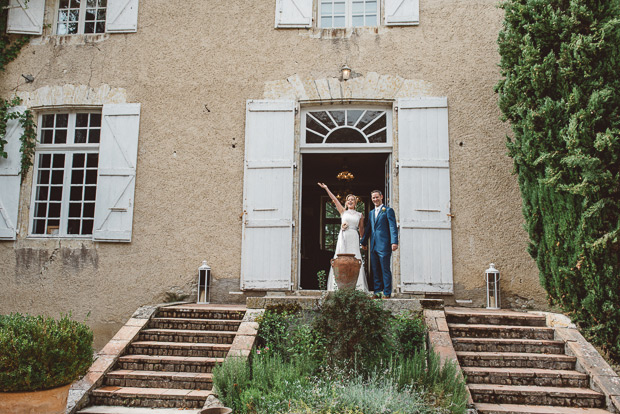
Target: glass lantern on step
(492, 278)
(204, 283)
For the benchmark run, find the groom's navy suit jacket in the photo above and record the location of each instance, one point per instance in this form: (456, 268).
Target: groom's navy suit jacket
(382, 231)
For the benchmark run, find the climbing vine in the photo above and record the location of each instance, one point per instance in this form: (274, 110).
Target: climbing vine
(560, 66)
(10, 46)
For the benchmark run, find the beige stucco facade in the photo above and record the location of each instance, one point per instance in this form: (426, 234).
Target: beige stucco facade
(192, 66)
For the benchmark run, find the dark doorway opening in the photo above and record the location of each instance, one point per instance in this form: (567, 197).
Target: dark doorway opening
(320, 222)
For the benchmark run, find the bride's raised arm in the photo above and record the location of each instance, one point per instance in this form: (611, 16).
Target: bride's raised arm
(333, 197)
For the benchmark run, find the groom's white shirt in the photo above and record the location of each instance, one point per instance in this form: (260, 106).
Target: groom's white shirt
(377, 209)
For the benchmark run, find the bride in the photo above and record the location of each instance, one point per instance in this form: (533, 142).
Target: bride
(352, 228)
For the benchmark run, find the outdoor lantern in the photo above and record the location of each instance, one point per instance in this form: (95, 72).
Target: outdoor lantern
(492, 276)
(204, 283)
(346, 72)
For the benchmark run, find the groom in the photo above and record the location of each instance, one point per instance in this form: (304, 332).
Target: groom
(381, 228)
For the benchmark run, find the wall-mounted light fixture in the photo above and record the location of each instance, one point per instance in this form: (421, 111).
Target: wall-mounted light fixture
(346, 72)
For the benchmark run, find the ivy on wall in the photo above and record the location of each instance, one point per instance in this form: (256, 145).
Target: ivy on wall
(10, 46)
(560, 67)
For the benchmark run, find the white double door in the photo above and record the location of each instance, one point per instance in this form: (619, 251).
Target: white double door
(423, 191)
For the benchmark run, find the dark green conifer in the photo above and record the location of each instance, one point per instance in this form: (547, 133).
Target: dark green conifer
(560, 90)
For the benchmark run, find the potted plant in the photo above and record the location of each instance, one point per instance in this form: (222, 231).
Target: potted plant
(39, 359)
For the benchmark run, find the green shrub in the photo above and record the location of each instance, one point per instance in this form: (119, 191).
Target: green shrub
(559, 90)
(38, 353)
(410, 332)
(354, 330)
(229, 380)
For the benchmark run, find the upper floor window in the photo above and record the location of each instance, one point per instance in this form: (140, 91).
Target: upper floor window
(74, 17)
(348, 13)
(328, 14)
(81, 16)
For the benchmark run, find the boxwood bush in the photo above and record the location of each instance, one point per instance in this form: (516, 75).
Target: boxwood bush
(38, 353)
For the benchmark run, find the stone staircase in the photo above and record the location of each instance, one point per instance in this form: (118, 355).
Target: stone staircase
(513, 365)
(170, 363)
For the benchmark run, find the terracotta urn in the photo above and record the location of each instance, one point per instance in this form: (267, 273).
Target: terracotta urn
(53, 401)
(346, 270)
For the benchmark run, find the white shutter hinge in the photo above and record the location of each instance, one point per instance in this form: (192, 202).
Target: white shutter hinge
(295, 165)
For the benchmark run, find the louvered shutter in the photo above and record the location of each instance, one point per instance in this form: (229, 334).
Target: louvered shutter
(268, 195)
(402, 12)
(26, 17)
(424, 196)
(122, 16)
(9, 179)
(116, 179)
(293, 13)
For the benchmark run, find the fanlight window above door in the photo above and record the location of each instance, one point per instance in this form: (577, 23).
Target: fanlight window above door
(346, 126)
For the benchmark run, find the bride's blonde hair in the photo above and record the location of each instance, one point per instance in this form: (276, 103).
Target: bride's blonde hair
(347, 198)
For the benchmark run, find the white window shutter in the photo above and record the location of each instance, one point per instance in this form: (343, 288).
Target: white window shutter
(9, 179)
(402, 12)
(122, 16)
(116, 178)
(267, 243)
(293, 14)
(424, 196)
(26, 17)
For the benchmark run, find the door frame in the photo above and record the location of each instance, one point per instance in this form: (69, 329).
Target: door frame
(302, 148)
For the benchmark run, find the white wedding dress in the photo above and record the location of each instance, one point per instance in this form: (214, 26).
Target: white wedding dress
(349, 242)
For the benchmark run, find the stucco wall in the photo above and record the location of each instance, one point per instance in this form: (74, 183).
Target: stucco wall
(192, 67)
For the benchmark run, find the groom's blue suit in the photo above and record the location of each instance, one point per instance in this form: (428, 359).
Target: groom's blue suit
(383, 234)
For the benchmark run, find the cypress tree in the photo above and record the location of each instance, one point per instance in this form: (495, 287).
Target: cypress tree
(560, 91)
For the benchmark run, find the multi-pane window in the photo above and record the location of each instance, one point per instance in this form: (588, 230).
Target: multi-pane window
(348, 13)
(65, 174)
(346, 126)
(81, 16)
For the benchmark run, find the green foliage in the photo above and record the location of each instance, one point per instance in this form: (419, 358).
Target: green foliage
(355, 329)
(410, 332)
(10, 46)
(321, 276)
(38, 353)
(229, 379)
(560, 63)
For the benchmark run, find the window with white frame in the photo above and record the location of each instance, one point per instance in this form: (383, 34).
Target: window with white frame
(65, 174)
(346, 126)
(348, 13)
(81, 16)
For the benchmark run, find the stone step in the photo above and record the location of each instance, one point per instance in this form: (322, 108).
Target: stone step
(516, 360)
(195, 324)
(179, 349)
(111, 409)
(167, 363)
(160, 379)
(201, 313)
(520, 394)
(500, 331)
(492, 317)
(541, 346)
(149, 397)
(526, 376)
(186, 335)
(534, 409)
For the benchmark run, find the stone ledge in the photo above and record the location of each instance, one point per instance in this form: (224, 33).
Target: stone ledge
(306, 302)
(78, 394)
(602, 377)
(440, 341)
